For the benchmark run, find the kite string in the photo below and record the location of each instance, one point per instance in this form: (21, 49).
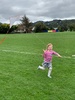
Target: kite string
(40, 40)
(3, 39)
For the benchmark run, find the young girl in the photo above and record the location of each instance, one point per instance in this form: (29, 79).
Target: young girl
(47, 55)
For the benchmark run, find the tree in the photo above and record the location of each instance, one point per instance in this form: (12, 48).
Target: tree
(26, 23)
(40, 27)
(4, 28)
(13, 28)
(71, 27)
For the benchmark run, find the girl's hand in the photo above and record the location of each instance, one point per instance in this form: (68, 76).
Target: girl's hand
(44, 50)
(59, 56)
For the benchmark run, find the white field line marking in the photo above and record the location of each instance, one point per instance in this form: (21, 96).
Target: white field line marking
(66, 57)
(29, 53)
(21, 52)
(73, 55)
(69, 57)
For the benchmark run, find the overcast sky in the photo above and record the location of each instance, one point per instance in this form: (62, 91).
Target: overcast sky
(36, 10)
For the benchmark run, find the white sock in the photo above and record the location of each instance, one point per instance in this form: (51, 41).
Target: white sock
(49, 72)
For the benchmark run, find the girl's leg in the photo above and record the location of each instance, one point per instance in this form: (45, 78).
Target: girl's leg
(40, 67)
(50, 70)
(43, 66)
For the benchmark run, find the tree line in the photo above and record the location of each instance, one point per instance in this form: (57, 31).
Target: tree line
(26, 26)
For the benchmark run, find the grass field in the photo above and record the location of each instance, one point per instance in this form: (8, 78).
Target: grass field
(20, 55)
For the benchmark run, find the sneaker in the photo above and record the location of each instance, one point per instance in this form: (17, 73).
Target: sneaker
(49, 76)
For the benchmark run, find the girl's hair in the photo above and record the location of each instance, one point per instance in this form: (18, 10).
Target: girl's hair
(50, 44)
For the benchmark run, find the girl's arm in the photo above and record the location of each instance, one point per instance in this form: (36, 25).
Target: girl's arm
(57, 54)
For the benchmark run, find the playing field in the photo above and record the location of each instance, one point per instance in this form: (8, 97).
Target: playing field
(20, 55)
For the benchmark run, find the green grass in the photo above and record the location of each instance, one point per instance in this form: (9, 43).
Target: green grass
(20, 55)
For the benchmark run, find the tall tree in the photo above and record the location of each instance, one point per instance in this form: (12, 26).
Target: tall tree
(26, 23)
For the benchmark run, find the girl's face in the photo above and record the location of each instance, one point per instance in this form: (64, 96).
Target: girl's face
(50, 47)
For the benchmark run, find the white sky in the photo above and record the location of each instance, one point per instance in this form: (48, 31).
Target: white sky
(36, 10)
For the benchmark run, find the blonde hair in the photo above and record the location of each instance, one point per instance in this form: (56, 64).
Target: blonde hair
(50, 44)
